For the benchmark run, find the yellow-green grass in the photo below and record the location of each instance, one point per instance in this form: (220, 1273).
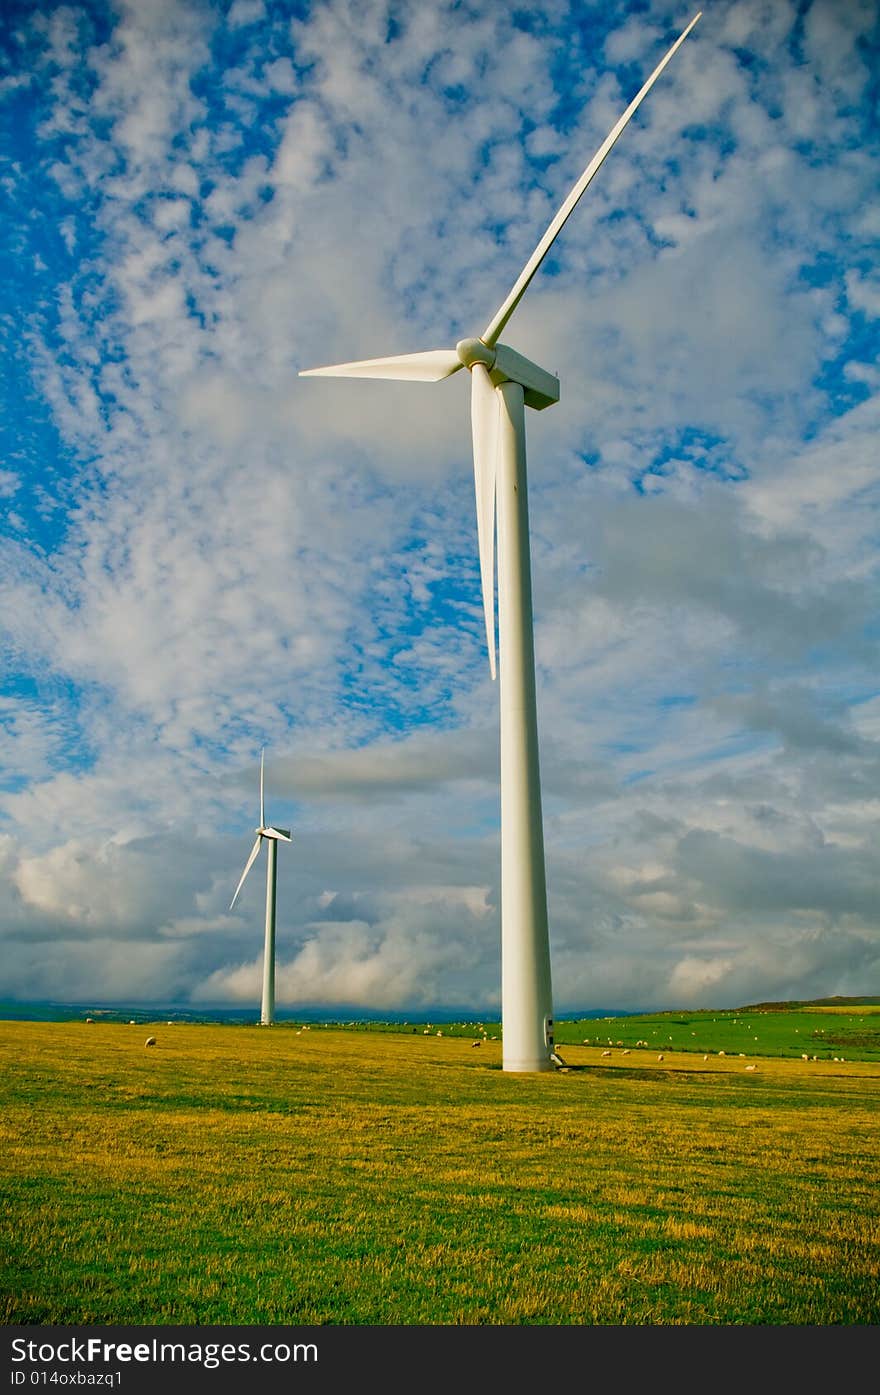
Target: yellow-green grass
(237, 1175)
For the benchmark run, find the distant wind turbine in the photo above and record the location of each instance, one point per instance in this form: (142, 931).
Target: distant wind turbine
(272, 836)
(503, 383)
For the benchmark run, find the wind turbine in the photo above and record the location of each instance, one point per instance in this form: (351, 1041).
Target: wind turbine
(503, 383)
(272, 836)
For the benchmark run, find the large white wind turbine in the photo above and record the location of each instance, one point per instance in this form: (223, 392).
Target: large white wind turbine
(503, 383)
(272, 836)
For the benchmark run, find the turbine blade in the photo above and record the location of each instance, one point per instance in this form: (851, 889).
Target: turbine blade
(484, 427)
(262, 810)
(247, 867)
(282, 833)
(428, 367)
(496, 325)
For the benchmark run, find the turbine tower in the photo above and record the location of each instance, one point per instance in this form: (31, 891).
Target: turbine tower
(503, 384)
(272, 836)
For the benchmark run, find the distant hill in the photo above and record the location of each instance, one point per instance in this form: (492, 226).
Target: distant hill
(811, 1002)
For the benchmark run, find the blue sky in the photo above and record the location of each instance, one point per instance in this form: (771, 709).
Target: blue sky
(204, 554)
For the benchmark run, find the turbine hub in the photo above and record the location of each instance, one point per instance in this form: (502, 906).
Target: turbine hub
(472, 351)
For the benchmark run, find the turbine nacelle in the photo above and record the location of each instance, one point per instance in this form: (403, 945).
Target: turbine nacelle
(505, 365)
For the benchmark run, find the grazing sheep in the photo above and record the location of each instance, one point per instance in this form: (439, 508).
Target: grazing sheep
(722, 1053)
(131, 1022)
(805, 1058)
(90, 1019)
(150, 1041)
(475, 1043)
(751, 1067)
(660, 1058)
(606, 1053)
(626, 1052)
(705, 1058)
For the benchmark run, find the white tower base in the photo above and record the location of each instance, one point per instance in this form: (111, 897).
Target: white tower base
(526, 996)
(267, 1012)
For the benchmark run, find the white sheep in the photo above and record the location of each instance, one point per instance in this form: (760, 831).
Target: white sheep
(150, 1041)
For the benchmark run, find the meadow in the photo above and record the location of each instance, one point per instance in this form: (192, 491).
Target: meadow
(313, 1175)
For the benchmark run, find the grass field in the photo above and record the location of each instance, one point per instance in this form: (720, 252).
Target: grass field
(238, 1175)
(829, 1031)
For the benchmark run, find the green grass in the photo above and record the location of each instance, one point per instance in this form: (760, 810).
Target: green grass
(233, 1175)
(826, 1032)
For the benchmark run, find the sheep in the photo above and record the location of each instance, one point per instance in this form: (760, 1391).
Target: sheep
(626, 1052)
(660, 1057)
(705, 1058)
(751, 1067)
(805, 1058)
(150, 1041)
(476, 1043)
(606, 1053)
